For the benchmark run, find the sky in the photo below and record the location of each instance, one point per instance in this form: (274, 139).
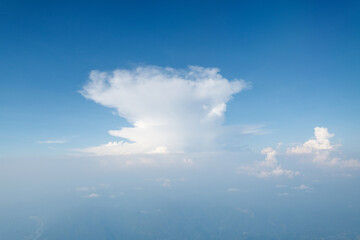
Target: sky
(179, 119)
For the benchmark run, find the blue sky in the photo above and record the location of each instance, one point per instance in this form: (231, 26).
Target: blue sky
(283, 108)
(301, 57)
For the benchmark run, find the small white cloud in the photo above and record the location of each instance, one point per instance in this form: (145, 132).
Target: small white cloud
(302, 187)
(269, 167)
(285, 194)
(188, 162)
(159, 150)
(51, 142)
(270, 160)
(83, 189)
(321, 142)
(322, 152)
(164, 182)
(92, 195)
(171, 110)
(139, 161)
(232, 190)
(146, 161)
(278, 171)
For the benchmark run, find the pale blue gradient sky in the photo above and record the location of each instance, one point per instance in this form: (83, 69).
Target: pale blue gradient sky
(302, 60)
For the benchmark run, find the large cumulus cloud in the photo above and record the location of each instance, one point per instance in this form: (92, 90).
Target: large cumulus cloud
(171, 110)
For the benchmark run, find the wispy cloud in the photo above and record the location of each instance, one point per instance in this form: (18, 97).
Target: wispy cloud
(84, 189)
(232, 190)
(164, 182)
(188, 161)
(171, 110)
(39, 228)
(302, 187)
(285, 194)
(92, 195)
(52, 142)
(255, 129)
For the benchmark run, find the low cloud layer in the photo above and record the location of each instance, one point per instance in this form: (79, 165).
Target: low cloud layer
(171, 110)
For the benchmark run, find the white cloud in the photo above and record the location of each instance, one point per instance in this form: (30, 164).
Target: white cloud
(233, 190)
(171, 110)
(39, 229)
(351, 163)
(321, 142)
(269, 167)
(285, 194)
(164, 182)
(321, 151)
(270, 160)
(87, 189)
(159, 149)
(302, 187)
(83, 189)
(92, 195)
(51, 142)
(253, 129)
(188, 161)
(278, 171)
